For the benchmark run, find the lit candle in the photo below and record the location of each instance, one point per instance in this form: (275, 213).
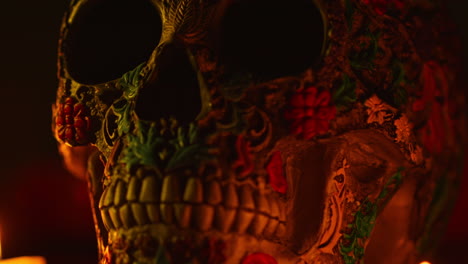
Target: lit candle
(1, 245)
(20, 260)
(24, 260)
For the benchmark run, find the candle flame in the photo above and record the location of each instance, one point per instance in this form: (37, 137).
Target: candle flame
(1, 245)
(425, 262)
(24, 260)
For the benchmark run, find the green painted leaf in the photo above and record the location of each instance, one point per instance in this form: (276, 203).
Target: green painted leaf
(192, 134)
(439, 203)
(188, 156)
(345, 95)
(399, 76)
(364, 223)
(358, 252)
(130, 82)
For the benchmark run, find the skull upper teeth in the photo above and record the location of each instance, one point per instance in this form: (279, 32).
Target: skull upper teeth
(190, 202)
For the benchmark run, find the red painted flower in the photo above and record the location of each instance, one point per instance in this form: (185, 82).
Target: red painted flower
(383, 6)
(72, 124)
(435, 102)
(259, 258)
(275, 172)
(244, 163)
(213, 251)
(311, 112)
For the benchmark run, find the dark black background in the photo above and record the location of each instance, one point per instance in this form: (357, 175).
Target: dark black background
(31, 218)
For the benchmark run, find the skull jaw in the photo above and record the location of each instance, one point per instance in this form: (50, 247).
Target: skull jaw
(174, 224)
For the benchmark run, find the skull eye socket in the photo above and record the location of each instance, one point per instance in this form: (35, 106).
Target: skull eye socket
(271, 38)
(107, 38)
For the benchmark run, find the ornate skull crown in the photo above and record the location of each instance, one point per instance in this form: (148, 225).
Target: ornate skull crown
(261, 131)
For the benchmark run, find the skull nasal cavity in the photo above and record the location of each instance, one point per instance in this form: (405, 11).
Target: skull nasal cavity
(107, 38)
(271, 38)
(174, 92)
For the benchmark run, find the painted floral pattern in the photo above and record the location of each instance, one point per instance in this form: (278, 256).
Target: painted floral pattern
(243, 164)
(377, 110)
(210, 251)
(382, 7)
(72, 123)
(404, 129)
(259, 258)
(275, 172)
(213, 251)
(310, 112)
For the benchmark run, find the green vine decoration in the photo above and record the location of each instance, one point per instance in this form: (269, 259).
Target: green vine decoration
(364, 223)
(122, 111)
(129, 83)
(345, 95)
(162, 147)
(440, 203)
(400, 95)
(186, 149)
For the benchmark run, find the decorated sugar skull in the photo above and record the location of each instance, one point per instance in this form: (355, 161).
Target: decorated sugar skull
(255, 131)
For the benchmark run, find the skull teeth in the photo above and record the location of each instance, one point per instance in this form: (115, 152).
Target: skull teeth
(246, 197)
(132, 191)
(153, 213)
(114, 216)
(204, 215)
(119, 195)
(127, 216)
(170, 192)
(193, 191)
(259, 223)
(203, 206)
(167, 213)
(224, 218)
(214, 194)
(184, 214)
(149, 190)
(231, 200)
(108, 223)
(243, 220)
(140, 213)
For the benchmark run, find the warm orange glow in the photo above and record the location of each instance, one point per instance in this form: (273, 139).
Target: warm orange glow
(21, 260)
(425, 262)
(24, 260)
(0, 244)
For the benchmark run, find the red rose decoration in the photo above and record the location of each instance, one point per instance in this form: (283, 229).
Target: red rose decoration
(382, 6)
(310, 112)
(72, 124)
(259, 258)
(276, 173)
(435, 102)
